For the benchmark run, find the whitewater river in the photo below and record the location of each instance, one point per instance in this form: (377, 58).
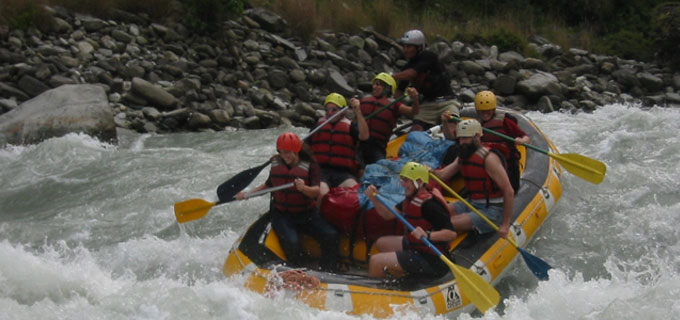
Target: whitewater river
(87, 229)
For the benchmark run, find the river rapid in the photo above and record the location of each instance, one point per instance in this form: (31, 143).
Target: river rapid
(87, 229)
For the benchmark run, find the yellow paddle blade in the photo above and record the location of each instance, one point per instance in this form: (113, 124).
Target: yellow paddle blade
(589, 169)
(192, 209)
(480, 292)
(393, 146)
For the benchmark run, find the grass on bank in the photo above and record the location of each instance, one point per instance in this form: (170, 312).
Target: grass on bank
(508, 28)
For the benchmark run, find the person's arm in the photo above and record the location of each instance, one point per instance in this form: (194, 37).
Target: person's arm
(410, 111)
(438, 216)
(242, 195)
(371, 192)
(447, 172)
(446, 126)
(515, 131)
(311, 192)
(313, 189)
(362, 125)
(495, 169)
(407, 74)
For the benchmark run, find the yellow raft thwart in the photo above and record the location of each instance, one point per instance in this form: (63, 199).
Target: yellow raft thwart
(258, 255)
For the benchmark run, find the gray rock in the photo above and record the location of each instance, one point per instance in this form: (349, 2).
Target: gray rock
(69, 108)
(505, 84)
(650, 81)
(539, 84)
(357, 41)
(121, 36)
(337, 83)
(471, 67)
(672, 97)
(268, 20)
(278, 79)
(533, 63)
(151, 113)
(7, 105)
(511, 56)
(9, 91)
(32, 86)
(154, 94)
(198, 120)
(61, 26)
(92, 24)
(545, 105)
(220, 117)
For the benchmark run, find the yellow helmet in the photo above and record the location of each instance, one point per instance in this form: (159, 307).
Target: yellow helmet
(337, 99)
(485, 100)
(468, 128)
(414, 171)
(386, 78)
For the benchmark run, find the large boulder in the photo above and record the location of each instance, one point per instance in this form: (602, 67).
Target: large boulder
(56, 112)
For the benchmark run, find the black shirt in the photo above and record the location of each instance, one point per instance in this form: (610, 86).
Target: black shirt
(434, 212)
(432, 80)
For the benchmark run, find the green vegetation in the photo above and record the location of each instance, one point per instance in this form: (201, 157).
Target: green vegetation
(636, 29)
(667, 32)
(200, 16)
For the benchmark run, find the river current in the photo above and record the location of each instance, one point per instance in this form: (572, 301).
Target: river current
(87, 229)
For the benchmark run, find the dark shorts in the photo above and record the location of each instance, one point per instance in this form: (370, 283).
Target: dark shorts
(415, 262)
(335, 176)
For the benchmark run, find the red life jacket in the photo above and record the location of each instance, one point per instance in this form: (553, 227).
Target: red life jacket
(414, 215)
(333, 145)
(290, 200)
(477, 180)
(380, 125)
(494, 141)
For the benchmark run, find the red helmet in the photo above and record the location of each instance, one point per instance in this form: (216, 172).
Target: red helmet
(289, 141)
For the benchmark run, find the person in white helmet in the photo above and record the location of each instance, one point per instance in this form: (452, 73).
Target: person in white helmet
(428, 75)
(485, 179)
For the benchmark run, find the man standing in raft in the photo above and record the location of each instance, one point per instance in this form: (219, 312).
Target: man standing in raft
(427, 74)
(401, 255)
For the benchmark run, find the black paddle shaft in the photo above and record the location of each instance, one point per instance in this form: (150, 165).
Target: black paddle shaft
(228, 190)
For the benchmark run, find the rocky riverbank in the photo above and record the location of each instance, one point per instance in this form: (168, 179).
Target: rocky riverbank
(158, 78)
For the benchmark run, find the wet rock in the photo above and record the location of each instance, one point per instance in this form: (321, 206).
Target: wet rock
(69, 108)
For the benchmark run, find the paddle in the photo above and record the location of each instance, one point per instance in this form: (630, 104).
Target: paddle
(194, 209)
(538, 267)
(231, 187)
(385, 107)
(586, 168)
(197, 208)
(480, 292)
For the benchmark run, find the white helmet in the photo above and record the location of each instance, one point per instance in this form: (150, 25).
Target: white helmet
(414, 37)
(468, 128)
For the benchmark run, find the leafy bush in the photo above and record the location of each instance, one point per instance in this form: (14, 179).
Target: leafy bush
(666, 26)
(21, 14)
(206, 16)
(506, 41)
(628, 45)
(99, 8)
